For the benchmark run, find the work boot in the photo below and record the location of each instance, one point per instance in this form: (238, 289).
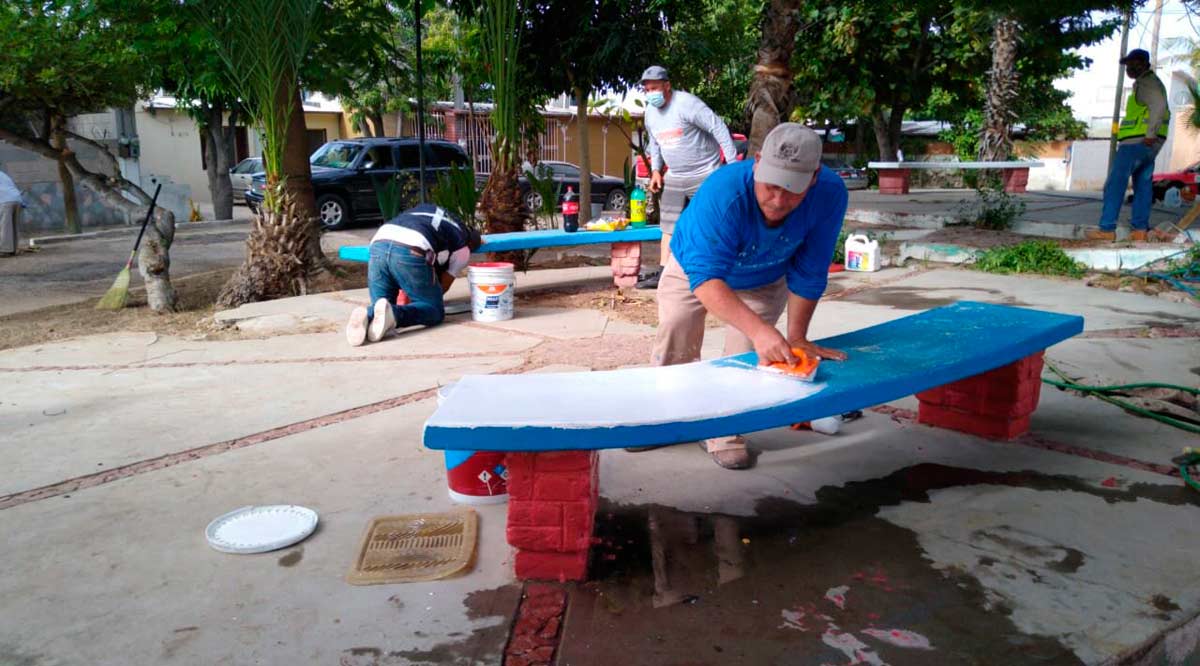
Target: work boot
(1138, 235)
(356, 327)
(382, 321)
(1100, 235)
(729, 452)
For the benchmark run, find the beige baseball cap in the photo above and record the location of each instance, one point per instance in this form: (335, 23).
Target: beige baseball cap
(791, 154)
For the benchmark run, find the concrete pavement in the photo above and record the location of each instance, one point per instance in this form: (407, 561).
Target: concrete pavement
(1070, 546)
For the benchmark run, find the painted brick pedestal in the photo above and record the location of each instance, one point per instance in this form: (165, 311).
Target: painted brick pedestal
(551, 512)
(996, 404)
(893, 181)
(626, 263)
(1015, 180)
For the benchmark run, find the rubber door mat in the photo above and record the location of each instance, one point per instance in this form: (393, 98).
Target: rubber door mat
(415, 547)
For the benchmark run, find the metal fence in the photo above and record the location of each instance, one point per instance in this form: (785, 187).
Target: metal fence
(475, 132)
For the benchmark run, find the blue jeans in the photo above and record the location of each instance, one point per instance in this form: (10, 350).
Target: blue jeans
(1136, 160)
(393, 267)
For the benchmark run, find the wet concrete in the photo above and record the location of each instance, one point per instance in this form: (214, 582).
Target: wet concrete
(482, 646)
(916, 298)
(823, 583)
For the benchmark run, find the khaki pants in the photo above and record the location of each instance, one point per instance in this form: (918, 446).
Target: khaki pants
(681, 317)
(10, 217)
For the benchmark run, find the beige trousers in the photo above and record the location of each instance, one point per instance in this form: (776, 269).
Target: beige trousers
(681, 317)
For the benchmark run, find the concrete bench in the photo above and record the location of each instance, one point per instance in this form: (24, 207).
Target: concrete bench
(974, 367)
(893, 176)
(626, 253)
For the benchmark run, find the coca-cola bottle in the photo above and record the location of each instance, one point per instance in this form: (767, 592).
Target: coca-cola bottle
(570, 211)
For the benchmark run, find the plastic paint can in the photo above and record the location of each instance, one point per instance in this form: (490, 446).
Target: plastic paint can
(861, 254)
(474, 477)
(492, 285)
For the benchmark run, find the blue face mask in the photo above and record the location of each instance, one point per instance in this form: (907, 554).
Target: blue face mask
(656, 99)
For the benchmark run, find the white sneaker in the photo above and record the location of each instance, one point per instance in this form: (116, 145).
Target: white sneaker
(356, 328)
(382, 321)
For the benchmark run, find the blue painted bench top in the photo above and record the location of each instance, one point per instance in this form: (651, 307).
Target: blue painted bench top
(531, 240)
(644, 406)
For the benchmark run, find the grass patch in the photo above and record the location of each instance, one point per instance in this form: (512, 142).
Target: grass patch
(1039, 257)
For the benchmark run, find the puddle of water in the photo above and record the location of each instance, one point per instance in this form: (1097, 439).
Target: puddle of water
(826, 583)
(913, 298)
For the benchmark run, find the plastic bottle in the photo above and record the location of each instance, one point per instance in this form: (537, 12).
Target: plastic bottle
(637, 207)
(570, 211)
(1173, 198)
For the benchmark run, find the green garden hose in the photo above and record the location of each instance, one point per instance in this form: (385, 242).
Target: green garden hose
(1103, 391)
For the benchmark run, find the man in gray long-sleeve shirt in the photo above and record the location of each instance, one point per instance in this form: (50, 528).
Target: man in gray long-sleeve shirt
(689, 140)
(1141, 134)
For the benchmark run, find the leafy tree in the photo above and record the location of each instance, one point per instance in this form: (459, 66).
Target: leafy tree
(579, 46)
(62, 59)
(709, 48)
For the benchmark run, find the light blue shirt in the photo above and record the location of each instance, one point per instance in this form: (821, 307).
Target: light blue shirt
(723, 235)
(8, 190)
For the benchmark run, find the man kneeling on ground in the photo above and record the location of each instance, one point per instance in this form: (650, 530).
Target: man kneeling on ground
(419, 251)
(758, 235)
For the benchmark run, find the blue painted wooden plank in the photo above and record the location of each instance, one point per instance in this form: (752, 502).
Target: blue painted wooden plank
(529, 240)
(644, 406)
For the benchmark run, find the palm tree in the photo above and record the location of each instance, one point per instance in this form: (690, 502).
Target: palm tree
(771, 99)
(995, 144)
(503, 210)
(263, 43)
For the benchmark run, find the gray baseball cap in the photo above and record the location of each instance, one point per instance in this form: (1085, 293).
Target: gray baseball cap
(791, 154)
(655, 73)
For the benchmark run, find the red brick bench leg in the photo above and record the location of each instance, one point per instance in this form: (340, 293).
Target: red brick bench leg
(1016, 180)
(626, 263)
(996, 404)
(893, 181)
(551, 512)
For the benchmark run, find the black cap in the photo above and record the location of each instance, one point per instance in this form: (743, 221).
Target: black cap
(1136, 54)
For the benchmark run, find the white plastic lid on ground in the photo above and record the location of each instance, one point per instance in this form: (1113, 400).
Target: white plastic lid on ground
(259, 529)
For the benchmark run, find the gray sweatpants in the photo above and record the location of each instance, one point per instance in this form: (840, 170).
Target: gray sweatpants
(10, 217)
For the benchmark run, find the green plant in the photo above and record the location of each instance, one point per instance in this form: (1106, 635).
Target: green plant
(395, 193)
(1034, 256)
(456, 192)
(993, 208)
(541, 180)
(839, 247)
(629, 178)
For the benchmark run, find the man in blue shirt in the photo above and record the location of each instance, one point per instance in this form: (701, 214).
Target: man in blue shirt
(759, 235)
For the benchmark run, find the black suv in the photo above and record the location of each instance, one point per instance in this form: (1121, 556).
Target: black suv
(346, 172)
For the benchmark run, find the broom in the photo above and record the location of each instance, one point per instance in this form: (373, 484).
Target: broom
(118, 293)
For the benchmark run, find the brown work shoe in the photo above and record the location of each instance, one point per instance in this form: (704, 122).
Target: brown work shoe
(729, 452)
(1138, 235)
(1099, 235)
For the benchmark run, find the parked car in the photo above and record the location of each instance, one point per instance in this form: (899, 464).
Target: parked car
(607, 191)
(241, 175)
(1184, 179)
(346, 172)
(855, 179)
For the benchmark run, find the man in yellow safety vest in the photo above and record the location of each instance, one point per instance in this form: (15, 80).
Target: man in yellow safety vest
(1141, 135)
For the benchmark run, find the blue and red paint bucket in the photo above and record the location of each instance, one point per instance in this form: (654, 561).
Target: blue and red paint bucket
(475, 477)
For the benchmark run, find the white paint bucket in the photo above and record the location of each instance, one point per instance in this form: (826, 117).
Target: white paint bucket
(474, 477)
(492, 285)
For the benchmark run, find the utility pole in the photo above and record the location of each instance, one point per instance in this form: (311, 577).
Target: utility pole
(1116, 116)
(1158, 11)
(420, 104)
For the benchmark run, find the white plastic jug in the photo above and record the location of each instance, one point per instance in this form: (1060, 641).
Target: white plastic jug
(862, 254)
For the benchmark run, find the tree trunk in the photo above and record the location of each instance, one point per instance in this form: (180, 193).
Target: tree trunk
(771, 100)
(585, 157)
(218, 159)
(887, 131)
(860, 138)
(376, 119)
(995, 144)
(154, 260)
(299, 179)
(70, 205)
